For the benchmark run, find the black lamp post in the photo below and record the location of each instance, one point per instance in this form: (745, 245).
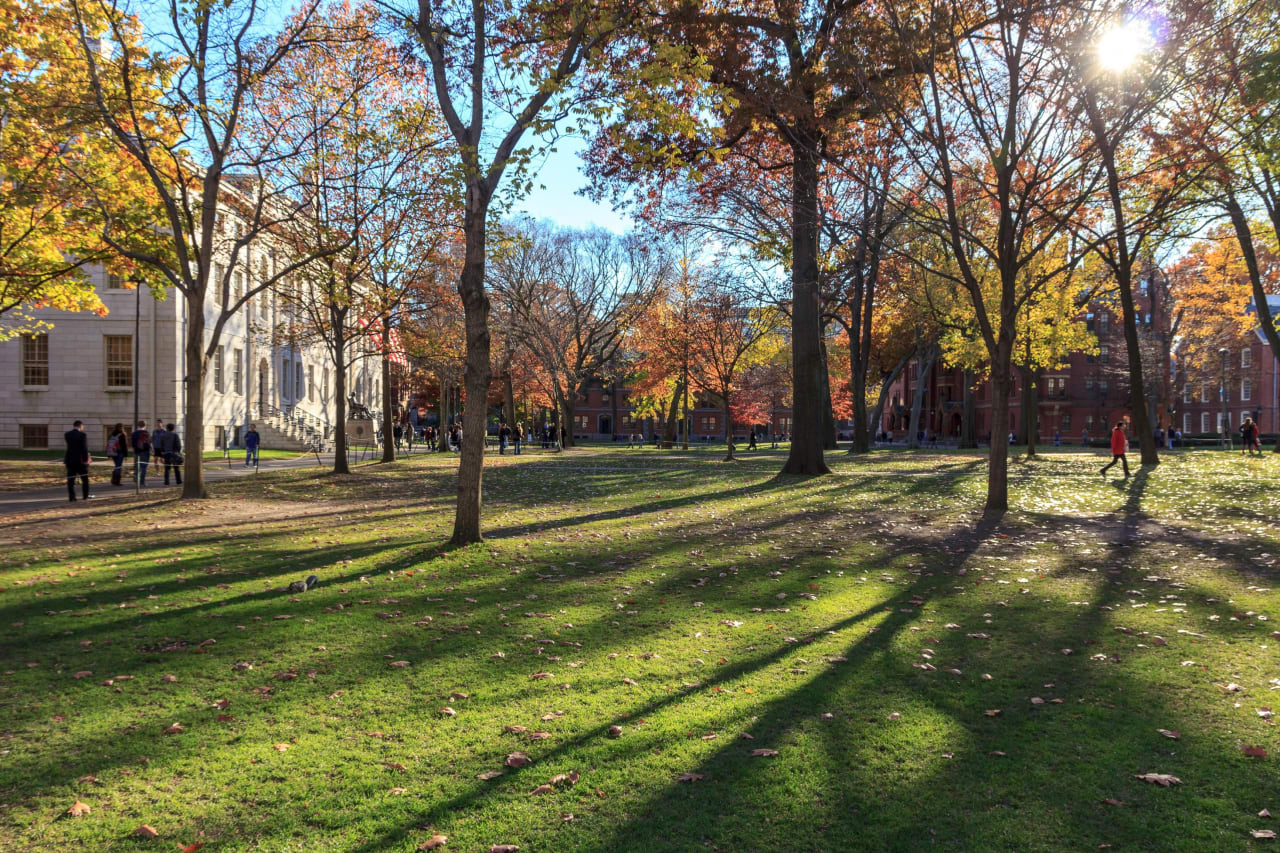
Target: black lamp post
(137, 317)
(1225, 353)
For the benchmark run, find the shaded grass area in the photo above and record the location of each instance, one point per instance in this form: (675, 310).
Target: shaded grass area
(848, 622)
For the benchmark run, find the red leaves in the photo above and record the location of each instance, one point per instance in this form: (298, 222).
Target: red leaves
(1255, 752)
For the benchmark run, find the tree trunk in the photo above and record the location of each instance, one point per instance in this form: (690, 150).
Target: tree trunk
(509, 393)
(728, 427)
(858, 390)
(1244, 236)
(1137, 384)
(613, 398)
(568, 407)
(442, 434)
(806, 456)
(684, 390)
(828, 404)
(388, 420)
(923, 366)
(669, 427)
(340, 464)
(873, 422)
(475, 306)
(998, 463)
(968, 437)
(1030, 408)
(193, 464)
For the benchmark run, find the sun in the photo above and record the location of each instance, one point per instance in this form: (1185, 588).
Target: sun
(1122, 46)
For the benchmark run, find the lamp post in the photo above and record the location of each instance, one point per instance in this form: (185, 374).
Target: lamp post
(137, 318)
(1222, 393)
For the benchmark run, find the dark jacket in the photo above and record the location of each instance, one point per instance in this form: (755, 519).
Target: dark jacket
(166, 443)
(77, 455)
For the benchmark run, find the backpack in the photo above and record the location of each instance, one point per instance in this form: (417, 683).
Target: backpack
(144, 441)
(117, 447)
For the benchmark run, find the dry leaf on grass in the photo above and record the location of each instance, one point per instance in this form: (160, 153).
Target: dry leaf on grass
(448, 712)
(517, 759)
(397, 790)
(615, 731)
(1172, 734)
(504, 848)
(690, 777)
(1263, 833)
(79, 809)
(281, 747)
(488, 774)
(83, 674)
(515, 730)
(1162, 779)
(542, 789)
(397, 766)
(146, 831)
(399, 663)
(763, 753)
(994, 712)
(571, 778)
(433, 842)
(168, 679)
(1111, 801)
(1255, 752)
(176, 728)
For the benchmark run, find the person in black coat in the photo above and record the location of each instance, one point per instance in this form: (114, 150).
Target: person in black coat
(77, 460)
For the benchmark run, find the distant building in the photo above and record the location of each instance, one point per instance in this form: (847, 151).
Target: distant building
(1247, 380)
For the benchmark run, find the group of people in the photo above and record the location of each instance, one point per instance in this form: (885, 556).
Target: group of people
(162, 443)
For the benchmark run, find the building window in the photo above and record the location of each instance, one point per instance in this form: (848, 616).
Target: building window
(1186, 422)
(1089, 322)
(580, 422)
(1186, 392)
(119, 360)
(1204, 392)
(1066, 422)
(784, 424)
(1105, 353)
(1246, 389)
(299, 381)
(1144, 288)
(35, 360)
(311, 382)
(1204, 421)
(286, 376)
(1104, 322)
(1088, 423)
(35, 436)
(324, 385)
(237, 371)
(1088, 385)
(115, 282)
(217, 370)
(1103, 387)
(219, 438)
(1224, 421)
(1246, 358)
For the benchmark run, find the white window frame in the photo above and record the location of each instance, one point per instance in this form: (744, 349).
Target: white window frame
(36, 341)
(1246, 389)
(1246, 358)
(109, 365)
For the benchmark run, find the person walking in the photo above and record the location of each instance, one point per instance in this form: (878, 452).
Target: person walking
(251, 442)
(76, 460)
(169, 449)
(117, 449)
(519, 437)
(1249, 438)
(141, 442)
(751, 439)
(504, 434)
(1119, 446)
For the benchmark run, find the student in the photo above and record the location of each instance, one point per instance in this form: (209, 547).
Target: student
(251, 442)
(518, 437)
(1119, 446)
(141, 441)
(169, 448)
(117, 449)
(504, 434)
(76, 459)
(751, 439)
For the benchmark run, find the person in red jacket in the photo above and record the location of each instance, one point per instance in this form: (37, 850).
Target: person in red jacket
(1119, 446)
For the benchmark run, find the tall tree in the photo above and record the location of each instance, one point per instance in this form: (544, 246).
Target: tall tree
(58, 163)
(187, 138)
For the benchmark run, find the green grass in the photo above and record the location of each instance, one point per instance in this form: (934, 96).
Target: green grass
(740, 603)
(237, 454)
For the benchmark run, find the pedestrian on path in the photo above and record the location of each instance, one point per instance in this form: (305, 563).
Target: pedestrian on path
(1119, 446)
(169, 449)
(519, 437)
(141, 442)
(118, 450)
(251, 441)
(504, 433)
(76, 459)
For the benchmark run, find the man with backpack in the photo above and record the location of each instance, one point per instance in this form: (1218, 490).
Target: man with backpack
(168, 447)
(141, 441)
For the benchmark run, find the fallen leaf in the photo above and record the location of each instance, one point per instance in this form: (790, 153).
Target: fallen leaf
(763, 753)
(397, 766)
(87, 780)
(1112, 802)
(1264, 813)
(433, 842)
(571, 777)
(1255, 752)
(541, 675)
(1162, 779)
(78, 809)
(895, 716)
(459, 696)
(448, 712)
(192, 848)
(397, 790)
(1172, 734)
(995, 712)
(400, 663)
(168, 679)
(226, 718)
(515, 730)
(517, 759)
(222, 704)
(615, 731)
(488, 774)
(146, 831)
(1036, 700)
(176, 728)
(281, 747)
(1263, 833)
(542, 789)
(690, 777)
(83, 674)
(504, 848)
(629, 681)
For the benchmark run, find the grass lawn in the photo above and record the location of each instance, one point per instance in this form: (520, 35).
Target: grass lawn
(720, 657)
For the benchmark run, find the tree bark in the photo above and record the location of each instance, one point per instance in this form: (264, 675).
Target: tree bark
(968, 436)
(858, 389)
(806, 456)
(340, 464)
(998, 463)
(193, 429)
(442, 434)
(509, 392)
(728, 427)
(1244, 236)
(828, 404)
(669, 426)
(1030, 408)
(923, 366)
(388, 420)
(1137, 384)
(476, 373)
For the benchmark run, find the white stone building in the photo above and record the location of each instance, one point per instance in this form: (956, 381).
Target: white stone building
(90, 368)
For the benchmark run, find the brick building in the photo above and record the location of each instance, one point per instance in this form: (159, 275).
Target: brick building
(1245, 383)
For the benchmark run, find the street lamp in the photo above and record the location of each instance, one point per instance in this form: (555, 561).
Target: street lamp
(137, 317)
(1225, 353)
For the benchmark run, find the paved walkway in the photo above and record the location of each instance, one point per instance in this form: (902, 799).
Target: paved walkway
(103, 492)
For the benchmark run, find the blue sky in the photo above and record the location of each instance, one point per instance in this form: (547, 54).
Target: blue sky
(555, 195)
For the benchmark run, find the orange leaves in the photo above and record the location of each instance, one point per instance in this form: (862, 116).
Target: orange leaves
(79, 809)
